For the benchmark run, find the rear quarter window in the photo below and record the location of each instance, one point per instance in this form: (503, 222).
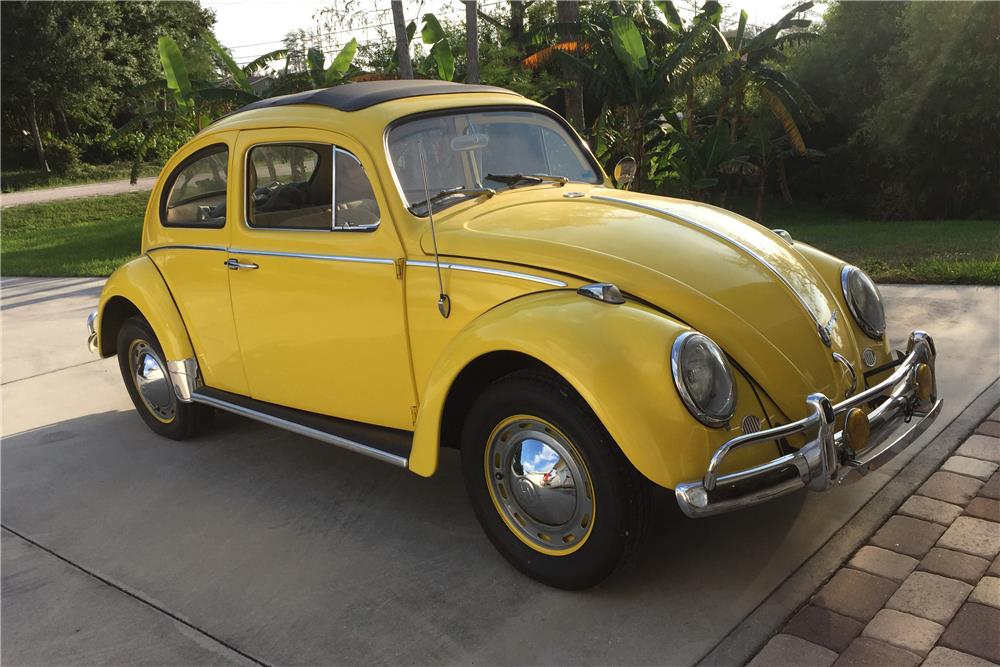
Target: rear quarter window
(194, 194)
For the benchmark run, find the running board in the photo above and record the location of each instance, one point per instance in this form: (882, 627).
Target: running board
(385, 444)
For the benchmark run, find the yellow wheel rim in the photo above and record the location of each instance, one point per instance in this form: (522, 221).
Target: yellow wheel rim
(151, 381)
(540, 485)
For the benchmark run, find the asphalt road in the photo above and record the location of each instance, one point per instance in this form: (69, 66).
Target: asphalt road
(252, 544)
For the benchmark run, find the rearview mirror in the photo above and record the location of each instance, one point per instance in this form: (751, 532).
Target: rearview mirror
(625, 172)
(470, 142)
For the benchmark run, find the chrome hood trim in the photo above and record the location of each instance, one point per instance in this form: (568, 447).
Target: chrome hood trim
(805, 290)
(696, 262)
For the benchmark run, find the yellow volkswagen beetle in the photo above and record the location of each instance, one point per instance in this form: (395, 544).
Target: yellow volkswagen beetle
(396, 267)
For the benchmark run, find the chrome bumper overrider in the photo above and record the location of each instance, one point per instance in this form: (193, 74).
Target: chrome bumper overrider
(92, 331)
(827, 459)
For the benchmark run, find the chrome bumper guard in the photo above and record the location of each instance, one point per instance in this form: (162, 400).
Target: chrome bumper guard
(828, 458)
(92, 332)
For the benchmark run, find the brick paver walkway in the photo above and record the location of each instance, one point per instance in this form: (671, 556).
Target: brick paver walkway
(925, 589)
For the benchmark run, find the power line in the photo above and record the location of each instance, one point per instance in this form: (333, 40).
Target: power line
(448, 14)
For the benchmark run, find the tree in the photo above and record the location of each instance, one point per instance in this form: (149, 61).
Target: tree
(749, 69)
(402, 40)
(908, 97)
(471, 42)
(195, 102)
(568, 13)
(77, 66)
(638, 74)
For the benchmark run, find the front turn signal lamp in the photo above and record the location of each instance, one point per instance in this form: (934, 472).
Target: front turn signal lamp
(924, 381)
(857, 429)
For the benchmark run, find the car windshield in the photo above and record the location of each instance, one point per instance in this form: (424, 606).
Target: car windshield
(451, 157)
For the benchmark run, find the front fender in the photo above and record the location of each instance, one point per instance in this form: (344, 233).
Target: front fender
(617, 357)
(140, 284)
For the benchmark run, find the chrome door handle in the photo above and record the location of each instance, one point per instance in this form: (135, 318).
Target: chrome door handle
(235, 265)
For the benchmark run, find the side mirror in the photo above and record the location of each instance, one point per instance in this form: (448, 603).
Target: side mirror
(625, 172)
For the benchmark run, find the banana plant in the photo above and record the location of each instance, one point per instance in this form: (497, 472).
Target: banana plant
(195, 103)
(748, 70)
(638, 78)
(441, 54)
(340, 69)
(241, 75)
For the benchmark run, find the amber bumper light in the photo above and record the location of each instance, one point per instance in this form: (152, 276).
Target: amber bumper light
(925, 382)
(857, 429)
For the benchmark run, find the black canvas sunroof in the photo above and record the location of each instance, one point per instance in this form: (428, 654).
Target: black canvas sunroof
(355, 96)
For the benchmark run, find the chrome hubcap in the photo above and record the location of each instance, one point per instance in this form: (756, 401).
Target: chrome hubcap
(150, 377)
(540, 484)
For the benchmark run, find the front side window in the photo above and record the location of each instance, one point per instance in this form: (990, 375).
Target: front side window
(195, 193)
(308, 187)
(473, 149)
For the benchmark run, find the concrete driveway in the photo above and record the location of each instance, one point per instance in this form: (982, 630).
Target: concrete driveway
(254, 545)
(41, 195)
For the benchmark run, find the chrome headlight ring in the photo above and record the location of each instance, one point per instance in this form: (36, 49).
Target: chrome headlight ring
(864, 301)
(703, 379)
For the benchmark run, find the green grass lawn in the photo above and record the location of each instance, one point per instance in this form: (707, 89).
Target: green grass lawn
(899, 251)
(14, 180)
(75, 237)
(90, 237)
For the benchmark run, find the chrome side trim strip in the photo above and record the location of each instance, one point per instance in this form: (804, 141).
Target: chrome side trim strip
(732, 242)
(217, 248)
(308, 432)
(303, 255)
(494, 272)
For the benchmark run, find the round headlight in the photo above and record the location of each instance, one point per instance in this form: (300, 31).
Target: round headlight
(864, 300)
(703, 379)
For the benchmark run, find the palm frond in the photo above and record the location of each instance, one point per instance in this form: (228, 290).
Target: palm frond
(260, 62)
(542, 57)
(781, 112)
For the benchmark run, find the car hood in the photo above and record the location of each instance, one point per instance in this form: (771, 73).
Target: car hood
(726, 276)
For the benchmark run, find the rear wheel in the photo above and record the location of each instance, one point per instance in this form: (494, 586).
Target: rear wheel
(550, 487)
(144, 370)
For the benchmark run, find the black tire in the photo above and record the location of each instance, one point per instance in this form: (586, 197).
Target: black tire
(621, 496)
(182, 420)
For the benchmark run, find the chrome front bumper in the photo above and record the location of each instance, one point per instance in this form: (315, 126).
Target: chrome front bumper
(827, 459)
(92, 331)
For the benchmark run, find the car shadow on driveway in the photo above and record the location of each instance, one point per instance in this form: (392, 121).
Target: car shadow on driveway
(293, 550)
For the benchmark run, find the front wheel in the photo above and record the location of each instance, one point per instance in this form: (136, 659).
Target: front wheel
(550, 487)
(144, 370)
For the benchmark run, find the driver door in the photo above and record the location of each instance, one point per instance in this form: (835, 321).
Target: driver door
(316, 299)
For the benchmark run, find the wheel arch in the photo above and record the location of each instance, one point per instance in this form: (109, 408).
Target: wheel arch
(137, 288)
(472, 380)
(615, 357)
(115, 312)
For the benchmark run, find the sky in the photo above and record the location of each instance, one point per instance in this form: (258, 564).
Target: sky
(250, 28)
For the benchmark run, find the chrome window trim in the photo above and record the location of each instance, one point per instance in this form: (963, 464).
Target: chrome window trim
(171, 180)
(333, 196)
(490, 271)
(732, 242)
(304, 255)
(559, 120)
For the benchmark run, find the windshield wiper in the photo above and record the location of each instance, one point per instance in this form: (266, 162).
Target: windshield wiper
(452, 192)
(512, 180)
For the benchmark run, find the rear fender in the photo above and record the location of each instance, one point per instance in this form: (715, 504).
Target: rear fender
(138, 287)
